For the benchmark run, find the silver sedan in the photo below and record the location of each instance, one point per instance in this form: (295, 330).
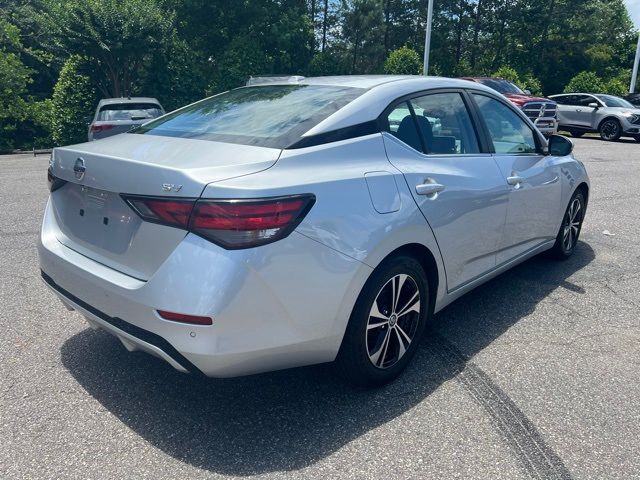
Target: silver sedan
(302, 221)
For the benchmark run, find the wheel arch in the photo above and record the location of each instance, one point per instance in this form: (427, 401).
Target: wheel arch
(584, 188)
(427, 259)
(609, 117)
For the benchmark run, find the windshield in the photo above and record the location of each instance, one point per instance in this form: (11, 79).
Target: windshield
(128, 111)
(611, 101)
(501, 86)
(268, 116)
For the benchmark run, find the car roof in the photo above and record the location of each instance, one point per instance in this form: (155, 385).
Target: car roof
(112, 101)
(381, 91)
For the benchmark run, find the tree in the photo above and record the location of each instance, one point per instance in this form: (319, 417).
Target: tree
(403, 61)
(14, 79)
(116, 37)
(74, 98)
(585, 82)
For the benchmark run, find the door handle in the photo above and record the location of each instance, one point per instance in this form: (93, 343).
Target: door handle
(430, 187)
(515, 180)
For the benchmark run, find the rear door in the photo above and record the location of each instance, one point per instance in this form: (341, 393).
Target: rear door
(533, 179)
(431, 139)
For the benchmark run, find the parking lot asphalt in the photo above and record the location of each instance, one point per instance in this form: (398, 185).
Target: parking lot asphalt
(533, 375)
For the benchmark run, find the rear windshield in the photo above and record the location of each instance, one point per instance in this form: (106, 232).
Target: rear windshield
(129, 111)
(268, 116)
(501, 86)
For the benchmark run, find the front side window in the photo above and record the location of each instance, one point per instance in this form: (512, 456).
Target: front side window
(269, 116)
(508, 131)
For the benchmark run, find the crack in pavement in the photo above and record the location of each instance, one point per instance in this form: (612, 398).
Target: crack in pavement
(536, 457)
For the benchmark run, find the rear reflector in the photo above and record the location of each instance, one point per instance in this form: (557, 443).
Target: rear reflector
(182, 318)
(232, 224)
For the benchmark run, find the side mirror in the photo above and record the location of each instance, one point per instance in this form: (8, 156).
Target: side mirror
(593, 105)
(527, 92)
(560, 146)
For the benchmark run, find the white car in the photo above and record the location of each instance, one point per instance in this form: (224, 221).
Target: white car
(304, 221)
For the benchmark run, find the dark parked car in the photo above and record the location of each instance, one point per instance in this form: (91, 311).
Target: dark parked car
(119, 115)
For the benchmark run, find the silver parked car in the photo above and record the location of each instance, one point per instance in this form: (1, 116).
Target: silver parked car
(119, 115)
(612, 117)
(294, 223)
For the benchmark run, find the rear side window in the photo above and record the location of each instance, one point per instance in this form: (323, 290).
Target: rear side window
(268, 116)
(508, 131)
(437, 124)
(128, 111)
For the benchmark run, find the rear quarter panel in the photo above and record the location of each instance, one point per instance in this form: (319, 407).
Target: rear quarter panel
(343, 218)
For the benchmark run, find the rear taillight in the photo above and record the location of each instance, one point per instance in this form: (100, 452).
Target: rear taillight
(232, 224)
(101, 128)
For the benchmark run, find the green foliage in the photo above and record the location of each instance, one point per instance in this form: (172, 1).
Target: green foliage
(74, 99)
(403, 61)
(116, 36)
(531, 83)
(615, 86)
(507, 73)
(14, 80)
(525, 82)
(326, 63)
(585, 82)
(180, 50)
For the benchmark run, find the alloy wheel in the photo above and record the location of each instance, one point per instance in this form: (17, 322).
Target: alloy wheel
(393, 321)
(610, 130)
(571, 225)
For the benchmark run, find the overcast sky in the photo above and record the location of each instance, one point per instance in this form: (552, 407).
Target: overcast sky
(634, 10)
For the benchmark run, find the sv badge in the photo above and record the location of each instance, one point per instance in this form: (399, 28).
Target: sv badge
(170, 187)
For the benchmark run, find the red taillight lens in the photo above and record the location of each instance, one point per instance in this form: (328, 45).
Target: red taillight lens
(183, 318)
(101, 128)
(166, 211)
(248, 223)
(231, 224)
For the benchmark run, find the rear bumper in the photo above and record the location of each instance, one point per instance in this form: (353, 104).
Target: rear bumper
(283, 306)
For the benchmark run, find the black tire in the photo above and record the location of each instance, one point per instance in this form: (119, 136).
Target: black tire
(610, 129)
(576, 134)
(637, 138)
(365, 336)
(566, 240)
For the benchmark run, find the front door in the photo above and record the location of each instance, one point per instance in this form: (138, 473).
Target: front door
(534, 182)
(460, 191)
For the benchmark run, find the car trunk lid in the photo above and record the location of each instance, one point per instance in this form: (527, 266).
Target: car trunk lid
(94, 220)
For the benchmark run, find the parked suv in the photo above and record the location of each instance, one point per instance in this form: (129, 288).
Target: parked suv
(612, 117)
(541, 111)
(119, 115)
